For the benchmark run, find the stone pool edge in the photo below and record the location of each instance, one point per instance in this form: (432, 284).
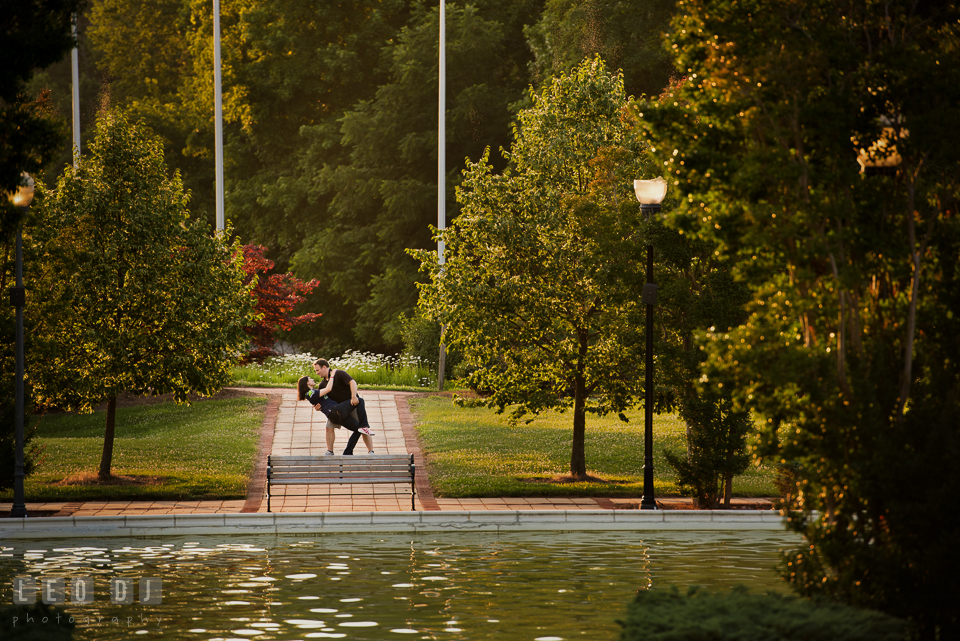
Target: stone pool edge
(282, 523)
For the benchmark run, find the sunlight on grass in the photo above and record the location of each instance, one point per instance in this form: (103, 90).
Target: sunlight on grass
(474, 452)
(203, 451)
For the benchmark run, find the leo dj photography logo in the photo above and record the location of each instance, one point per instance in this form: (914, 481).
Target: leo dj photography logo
(53, 590)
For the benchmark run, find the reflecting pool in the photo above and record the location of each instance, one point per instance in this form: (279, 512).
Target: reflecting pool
(545, 586)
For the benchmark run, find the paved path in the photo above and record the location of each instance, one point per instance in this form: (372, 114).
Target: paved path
(292, 427)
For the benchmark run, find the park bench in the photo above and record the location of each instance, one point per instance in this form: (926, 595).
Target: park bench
(341, 470)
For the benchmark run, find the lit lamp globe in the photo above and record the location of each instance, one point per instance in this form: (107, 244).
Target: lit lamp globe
(650, 193)
(24, 194)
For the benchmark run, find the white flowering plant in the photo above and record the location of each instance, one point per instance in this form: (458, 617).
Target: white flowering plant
(367, 368)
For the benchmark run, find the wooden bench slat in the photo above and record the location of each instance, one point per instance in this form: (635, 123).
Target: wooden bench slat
(337, 470)
(302, 472)
(371, 481)
(335, 475)
(338, 459)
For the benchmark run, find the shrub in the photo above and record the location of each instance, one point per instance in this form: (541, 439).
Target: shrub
(666, 615)
(421, 340)
(716, 449)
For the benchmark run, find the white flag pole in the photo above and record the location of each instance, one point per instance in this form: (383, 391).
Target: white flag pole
(441, 169)
(75, 60)
(218, 113)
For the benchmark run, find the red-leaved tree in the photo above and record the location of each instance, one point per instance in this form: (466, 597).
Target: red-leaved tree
(277, 295)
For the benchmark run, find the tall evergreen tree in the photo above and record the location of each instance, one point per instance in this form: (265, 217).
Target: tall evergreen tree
(627, 34)
(384, 196)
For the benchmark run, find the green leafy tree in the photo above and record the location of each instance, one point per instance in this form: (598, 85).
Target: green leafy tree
(539, 287)
(850, 354)
(716, 448)
(134, 295)
(291, 68)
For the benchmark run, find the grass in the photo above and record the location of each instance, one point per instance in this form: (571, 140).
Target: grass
(371, 371)
(203, 451)
(475, 452)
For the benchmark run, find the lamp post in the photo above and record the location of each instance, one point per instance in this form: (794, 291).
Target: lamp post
(22, 198)
(650, 193)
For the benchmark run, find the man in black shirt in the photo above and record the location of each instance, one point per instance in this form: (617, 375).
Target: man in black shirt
(344, 388)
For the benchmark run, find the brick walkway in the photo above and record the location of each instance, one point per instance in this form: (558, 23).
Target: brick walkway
(292, 427)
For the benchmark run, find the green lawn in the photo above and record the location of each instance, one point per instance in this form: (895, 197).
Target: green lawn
(474, 452)
(203, 451)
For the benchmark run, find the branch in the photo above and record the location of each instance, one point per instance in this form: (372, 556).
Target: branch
(841, 340)
(915, 254)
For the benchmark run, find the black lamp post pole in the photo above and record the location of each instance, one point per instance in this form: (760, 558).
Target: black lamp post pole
(19, 508)
(649, 299)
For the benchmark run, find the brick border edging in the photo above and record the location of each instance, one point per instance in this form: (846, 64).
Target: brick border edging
(258, 480)
(424, 492)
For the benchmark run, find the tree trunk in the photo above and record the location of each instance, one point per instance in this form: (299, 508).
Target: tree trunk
(728, 481)
(578, 461)
(107, 458)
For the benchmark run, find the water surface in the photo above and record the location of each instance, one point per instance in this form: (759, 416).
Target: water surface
(545, 586)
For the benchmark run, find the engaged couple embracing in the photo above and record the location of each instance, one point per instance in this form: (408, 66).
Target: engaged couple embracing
(336, 396)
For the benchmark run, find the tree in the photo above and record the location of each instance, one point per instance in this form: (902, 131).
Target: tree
(850, 354)
(627, 34)
(716, 448)
(542, 266)
(145, 63)
(33, 34)
(133, 294)
(276, 295)
(383, 195)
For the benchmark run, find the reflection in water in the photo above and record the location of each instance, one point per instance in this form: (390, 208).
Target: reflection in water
(546, 585)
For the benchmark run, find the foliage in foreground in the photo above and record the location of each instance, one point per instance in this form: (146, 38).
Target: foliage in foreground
(666, 615)
(476, 452)
(205, 450)
(28, 140)
(134, 294)
(850, 355)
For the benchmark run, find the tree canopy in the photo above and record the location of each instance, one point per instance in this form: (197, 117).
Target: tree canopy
(33, 34)
(330, 122)
(132, 293)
